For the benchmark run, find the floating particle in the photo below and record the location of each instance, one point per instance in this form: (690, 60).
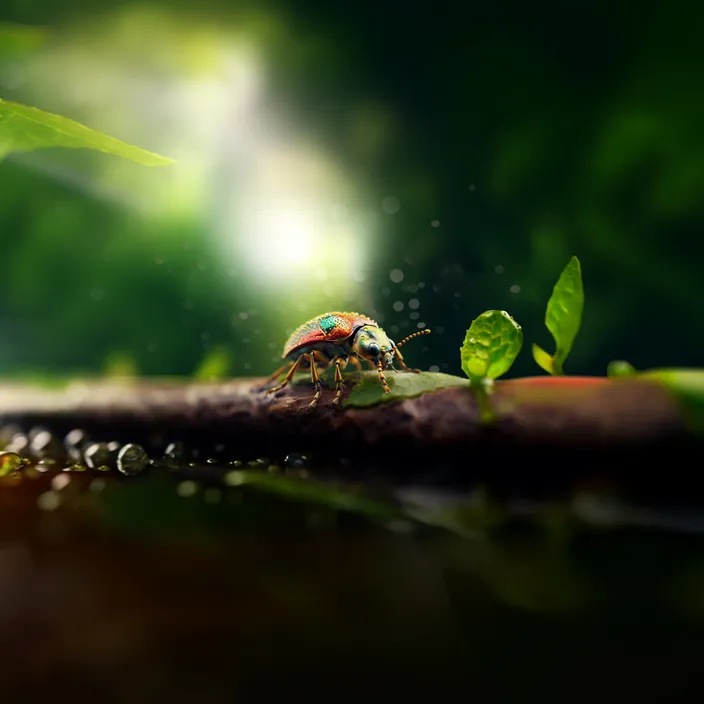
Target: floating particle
(396, 275)
(499, 268)
(420, 326)
(413, 303)
(391, 205)
(435, 223)
(434, 368)
(398, 306)
(515, 288)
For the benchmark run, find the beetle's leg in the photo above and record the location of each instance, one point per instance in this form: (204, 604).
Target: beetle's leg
(289, 376)
(316, 381)
(283, 368)
(382, 378)
(356, 363)
(402, 362)
(322, 360)
(339, 384)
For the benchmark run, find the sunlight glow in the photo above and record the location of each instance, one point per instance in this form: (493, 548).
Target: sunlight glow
(283, 211)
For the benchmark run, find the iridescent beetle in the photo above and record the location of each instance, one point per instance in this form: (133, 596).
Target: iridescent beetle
(336, 339)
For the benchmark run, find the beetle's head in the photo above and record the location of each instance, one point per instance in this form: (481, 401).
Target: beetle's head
(372, 343)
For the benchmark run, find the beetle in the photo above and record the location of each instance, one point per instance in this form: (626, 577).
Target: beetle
(339, 338)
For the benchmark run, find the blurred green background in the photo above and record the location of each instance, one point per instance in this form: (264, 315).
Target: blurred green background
(421, 163)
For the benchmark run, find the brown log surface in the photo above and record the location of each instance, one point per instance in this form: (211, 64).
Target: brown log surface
(527, 411)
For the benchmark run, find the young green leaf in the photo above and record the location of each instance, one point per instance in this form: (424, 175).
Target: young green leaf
(24, 128)
(491, 345)
(563, 316)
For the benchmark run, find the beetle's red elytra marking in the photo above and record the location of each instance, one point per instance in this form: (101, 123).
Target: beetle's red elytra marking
(328, 327)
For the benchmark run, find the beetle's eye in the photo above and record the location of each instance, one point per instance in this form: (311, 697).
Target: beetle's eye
(373, 349)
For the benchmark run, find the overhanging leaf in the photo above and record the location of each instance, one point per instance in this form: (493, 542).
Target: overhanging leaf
(24, 128)
(491, 345)
(563, 317)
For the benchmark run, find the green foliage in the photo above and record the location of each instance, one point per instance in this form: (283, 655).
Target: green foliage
(491, 345)
(217, 364)
(563, 317)
(120, 364)
(619, 368)
(369, 392)
(17, 39)
(687, 387)
(24, 128)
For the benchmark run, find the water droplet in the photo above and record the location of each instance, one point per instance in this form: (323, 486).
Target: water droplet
(414, 316)
(175, 451)
(391, 205)
(396, 275)
(420, 326)
(9, 462)
(499, 269)
(435, 223)
(44, 444)
(98, 454)
(413, 303)
(297, 460)
(398, 306)
(132, 459)
(434, 368)
(515, 288)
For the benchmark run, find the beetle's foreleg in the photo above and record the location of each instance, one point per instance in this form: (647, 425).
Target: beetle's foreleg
(402, 362)
(382, 378)
(283, 368)
(316, 381)
(289, 376)
(339, 384)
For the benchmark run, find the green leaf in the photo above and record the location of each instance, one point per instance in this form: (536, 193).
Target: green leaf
(369, 392)
(24, 128)
(619, 368)
(563, 316)
(491, 345)
(543, 359)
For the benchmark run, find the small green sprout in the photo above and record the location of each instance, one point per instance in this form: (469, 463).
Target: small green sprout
(491, 345)
(620, 368)
(563, 316)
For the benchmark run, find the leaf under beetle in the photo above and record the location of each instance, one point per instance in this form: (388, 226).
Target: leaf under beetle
(491, 345)
(563, 317)
(369, 392)
(24, 128)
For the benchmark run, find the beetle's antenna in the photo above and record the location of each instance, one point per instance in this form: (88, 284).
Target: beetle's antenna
(410, 337)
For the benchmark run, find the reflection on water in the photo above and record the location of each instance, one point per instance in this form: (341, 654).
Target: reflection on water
(211, 580)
